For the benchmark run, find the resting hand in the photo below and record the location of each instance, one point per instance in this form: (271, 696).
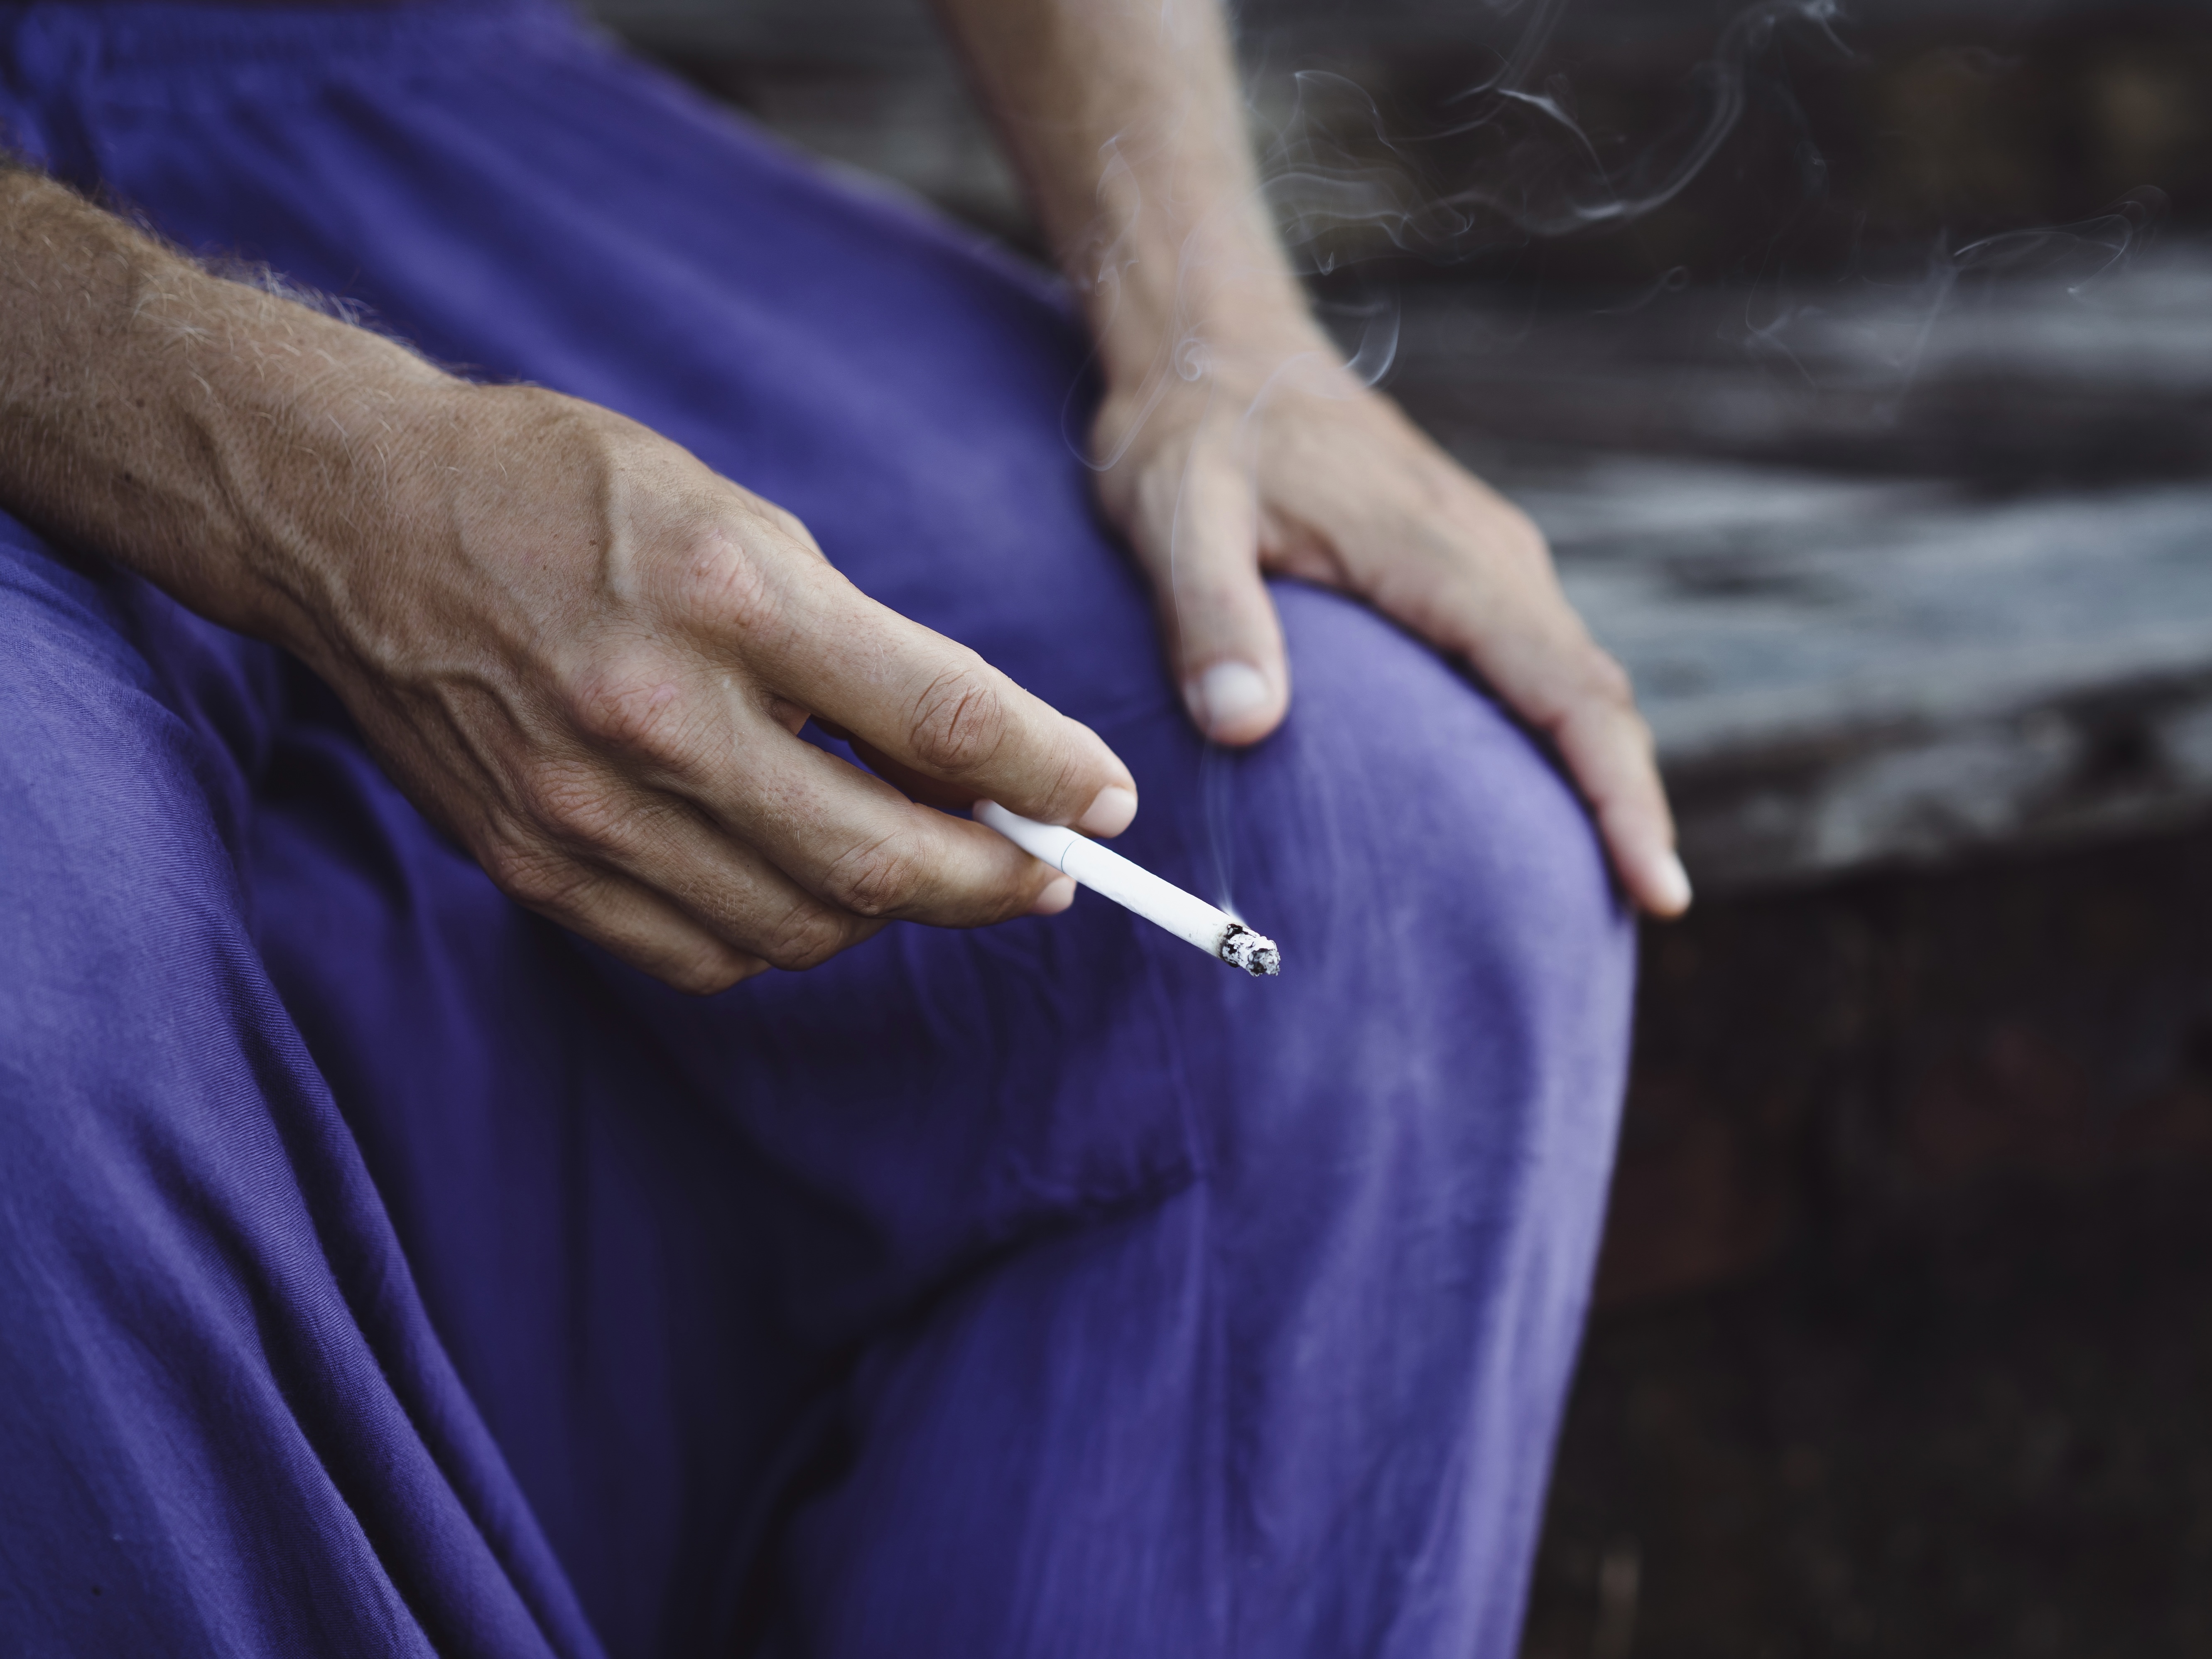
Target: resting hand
(1267, 456)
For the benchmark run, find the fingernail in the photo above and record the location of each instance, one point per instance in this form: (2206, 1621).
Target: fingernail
(1672, 882)
(1058, 893)
(1110, 811)
(1227, 692)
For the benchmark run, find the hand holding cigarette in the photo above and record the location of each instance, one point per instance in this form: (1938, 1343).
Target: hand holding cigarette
(1103, 871)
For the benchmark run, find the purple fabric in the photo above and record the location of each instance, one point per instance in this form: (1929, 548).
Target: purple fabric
(384, 1272)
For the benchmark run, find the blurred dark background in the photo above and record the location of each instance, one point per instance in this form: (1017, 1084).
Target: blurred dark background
(1924, 121)
(1878, 451)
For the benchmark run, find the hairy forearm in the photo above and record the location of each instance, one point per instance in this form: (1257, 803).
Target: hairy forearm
(208, 434)
(1125, 120)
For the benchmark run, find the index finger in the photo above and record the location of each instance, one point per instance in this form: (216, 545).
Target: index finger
(1491, 598)
(1607, 748)
(936, 707)
(1535, 652)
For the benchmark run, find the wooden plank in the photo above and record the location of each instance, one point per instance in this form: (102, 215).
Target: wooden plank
(1848, 669)
(2068, 368)
(1844, 674)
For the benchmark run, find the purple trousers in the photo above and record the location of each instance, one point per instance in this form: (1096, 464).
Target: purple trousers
(385, 1272)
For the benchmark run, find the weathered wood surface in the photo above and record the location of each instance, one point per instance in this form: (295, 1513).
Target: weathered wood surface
(2096, 361)
(1846, 670)
(1841, 674)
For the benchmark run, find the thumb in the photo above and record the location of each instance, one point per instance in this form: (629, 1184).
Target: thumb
(1222, 632)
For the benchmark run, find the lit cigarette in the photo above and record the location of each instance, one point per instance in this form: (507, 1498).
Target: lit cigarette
(1184, 915)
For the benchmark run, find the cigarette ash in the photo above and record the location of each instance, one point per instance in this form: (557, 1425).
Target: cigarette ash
(1256, 953)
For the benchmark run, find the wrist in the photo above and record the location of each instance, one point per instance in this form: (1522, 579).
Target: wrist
(216, 439)
(1231, 350)
(347, 489)
(1214, 343)
(320, 450)
(1166, 296)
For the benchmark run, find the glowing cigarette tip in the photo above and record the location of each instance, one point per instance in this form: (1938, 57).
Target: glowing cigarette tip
(1134, 888)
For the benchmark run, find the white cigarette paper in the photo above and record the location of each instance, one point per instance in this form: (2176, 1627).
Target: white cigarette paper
(1184, 915)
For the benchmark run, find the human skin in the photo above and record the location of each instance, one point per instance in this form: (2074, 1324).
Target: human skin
(567, 640)
(589, 658)
(1233, 440)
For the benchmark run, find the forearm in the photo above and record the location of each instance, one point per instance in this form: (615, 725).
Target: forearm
(1125, 120)
(213, 436)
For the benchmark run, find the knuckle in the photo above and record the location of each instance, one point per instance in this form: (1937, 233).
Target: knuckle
(722, 584)
(1073, 786)
(959, 720)
(535, 876)
(637, 707)
(712, 971)
(576, 803)
(1604, 709)
(1607, 682)
(804, 937)
(880, 878)
(790, 526)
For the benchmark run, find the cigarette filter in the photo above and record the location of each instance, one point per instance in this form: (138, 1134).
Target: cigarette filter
(1105, 872)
